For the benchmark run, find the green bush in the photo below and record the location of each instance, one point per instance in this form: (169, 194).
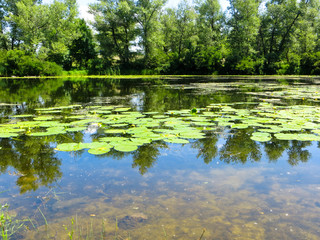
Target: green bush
(246, 66)
(19, 63)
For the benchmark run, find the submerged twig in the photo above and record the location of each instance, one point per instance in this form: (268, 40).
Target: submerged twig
(203, 231)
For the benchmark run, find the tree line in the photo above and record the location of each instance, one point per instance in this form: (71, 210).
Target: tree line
(145, 37)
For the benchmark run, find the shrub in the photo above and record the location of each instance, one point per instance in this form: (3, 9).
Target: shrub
(19, 63)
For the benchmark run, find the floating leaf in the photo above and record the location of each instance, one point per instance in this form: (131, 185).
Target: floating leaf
(176, 140)
(22, 116)
(126, 148)
(239, 126)
(8, 135)
(41, 134)
(69, 147)
(261, 137)
(99, 151)
(43, 118)
(114, 131)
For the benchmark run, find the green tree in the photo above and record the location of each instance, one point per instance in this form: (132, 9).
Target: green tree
(82, 49)
(46, 29)
(148, 16)
(239, 148)
(279, 24)
(180, 37)
(211, 46)
(115, 24)
(244, 26)
(209, 22)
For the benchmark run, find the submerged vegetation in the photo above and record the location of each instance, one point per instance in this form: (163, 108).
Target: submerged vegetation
(146, 37)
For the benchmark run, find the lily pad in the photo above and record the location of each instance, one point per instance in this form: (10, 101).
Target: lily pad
(68, 147)
(176, 140)
(261, 137)
(99, 151)
(8, 135)
(126, 148)
(22, 116)
(121, 109)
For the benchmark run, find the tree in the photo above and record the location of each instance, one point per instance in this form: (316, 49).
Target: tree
(115, 24)
(209, 22)
(46, 29)
(83, 48)
(148, 16)
(276, 34)
(180, 37)
(243, 26)
(209, 25)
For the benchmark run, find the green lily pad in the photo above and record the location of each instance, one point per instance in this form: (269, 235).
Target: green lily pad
(261, 137)
(192, 135)
(126, 148)
(119, 125)
(121, 109)
(239, 126)
(99, 151)
(176, 140)
(43, 118)
(22, 116)
(41, 134)
(68, 147)
(297, 136)
(10, 129)
(115, 131)
(8, 135)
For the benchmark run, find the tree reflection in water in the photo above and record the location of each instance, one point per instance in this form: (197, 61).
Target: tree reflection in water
(35, 161)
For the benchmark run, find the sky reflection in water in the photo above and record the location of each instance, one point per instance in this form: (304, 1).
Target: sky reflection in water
(228, 184)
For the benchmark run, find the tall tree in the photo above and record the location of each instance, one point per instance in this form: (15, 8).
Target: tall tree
(115, 24)
(180, 37)
(83, 48)
(244, 26)
(278, 26)
(209, 21)
(46, 28)
(210, 30)
(148, 16)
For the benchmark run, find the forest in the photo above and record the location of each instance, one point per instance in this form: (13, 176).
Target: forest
(145, 37)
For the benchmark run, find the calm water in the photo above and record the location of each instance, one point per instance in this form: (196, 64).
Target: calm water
(225, 186)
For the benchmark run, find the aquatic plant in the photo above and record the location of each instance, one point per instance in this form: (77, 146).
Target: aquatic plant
(125, 130)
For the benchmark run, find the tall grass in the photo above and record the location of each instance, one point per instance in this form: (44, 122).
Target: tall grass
(9, 225)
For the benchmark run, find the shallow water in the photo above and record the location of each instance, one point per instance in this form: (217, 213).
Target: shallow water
(225, 186)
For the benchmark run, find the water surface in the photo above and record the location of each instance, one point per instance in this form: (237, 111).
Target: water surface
(223, 186)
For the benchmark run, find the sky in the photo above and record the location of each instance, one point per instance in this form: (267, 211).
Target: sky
(84, 5)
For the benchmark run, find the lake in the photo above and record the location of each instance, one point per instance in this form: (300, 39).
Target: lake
(173, 158)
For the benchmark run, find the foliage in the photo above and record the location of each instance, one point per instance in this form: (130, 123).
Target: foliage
(18, 63)
(8, 224)
(82, 49)
(115, 23)
(142, 36)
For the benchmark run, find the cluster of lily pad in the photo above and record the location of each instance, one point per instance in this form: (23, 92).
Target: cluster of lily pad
(304, 93)
(125, 130)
